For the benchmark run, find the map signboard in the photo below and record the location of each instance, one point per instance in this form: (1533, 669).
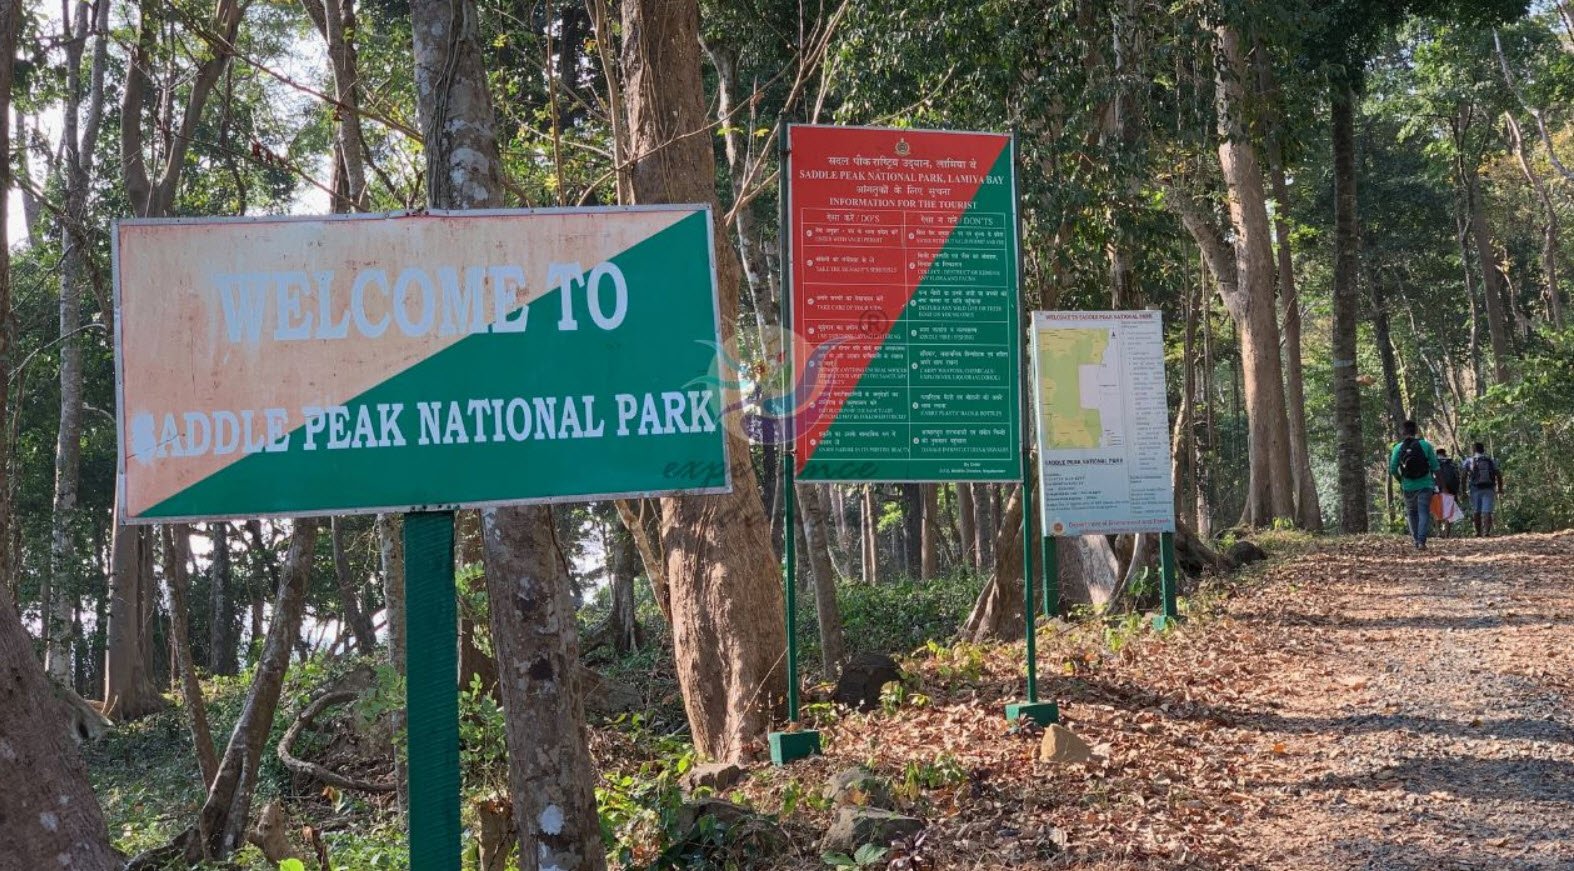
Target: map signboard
(288, 366)
(1103, 423)
(903, 259)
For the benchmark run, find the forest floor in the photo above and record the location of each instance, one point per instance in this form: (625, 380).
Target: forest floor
(1350, 705)
(1346, 705)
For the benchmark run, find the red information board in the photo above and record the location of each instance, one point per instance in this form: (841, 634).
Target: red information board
(902, 250)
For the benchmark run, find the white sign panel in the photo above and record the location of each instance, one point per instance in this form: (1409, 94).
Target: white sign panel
(1103, 423)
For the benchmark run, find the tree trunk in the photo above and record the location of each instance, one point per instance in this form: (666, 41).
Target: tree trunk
(79, 137)
(997, 613)
(52, 818)
(727, 620)
(390, 552)
(223, 627)
(1549, 238)
(1270, 491)
(833, 648)
(221, 827)
(869, 533)
(1383, 334)
(1308, 513)
(176, 554)
(359, 621)
(1494, 286)
(622, 621)
(966, 524)
(913, 528)
(929, 564)
(986, 498)
(641, 520)
(129, 692)
(533, 630)
(1350, 452)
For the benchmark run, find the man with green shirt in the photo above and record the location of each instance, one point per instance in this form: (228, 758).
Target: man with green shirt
(1414, 462)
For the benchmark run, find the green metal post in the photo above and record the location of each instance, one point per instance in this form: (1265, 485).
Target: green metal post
(1051, 570)
(432, 690)
(792, 585)
(1029, 613)
(1167, 574)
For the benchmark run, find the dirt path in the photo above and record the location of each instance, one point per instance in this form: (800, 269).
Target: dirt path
(1426, 721)
(1353, 707)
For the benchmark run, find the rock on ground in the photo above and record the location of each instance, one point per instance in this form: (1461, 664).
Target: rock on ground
(857, 786)
(717, 776)
(1063, 745)
(862, 678)
(856, 826)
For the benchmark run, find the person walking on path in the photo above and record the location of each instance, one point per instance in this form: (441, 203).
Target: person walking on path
(1414, 462)
(1486, 484)
(1446, 504)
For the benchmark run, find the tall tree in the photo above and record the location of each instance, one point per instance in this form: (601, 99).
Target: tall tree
(551, 781)
(51, 818)
(225, 814)
(721, 575)
(1270, 489)
(152, 182)
(81, 117)
(1350, 455)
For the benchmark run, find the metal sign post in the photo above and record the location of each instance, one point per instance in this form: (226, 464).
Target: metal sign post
(431, 690)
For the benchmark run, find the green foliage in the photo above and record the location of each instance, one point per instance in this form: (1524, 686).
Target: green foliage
(939, 773)
(899, 616)
(640, 807)
(866, 856)
(1528, 425)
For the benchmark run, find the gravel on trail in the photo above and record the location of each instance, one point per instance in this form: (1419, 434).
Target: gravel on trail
(1352, 705)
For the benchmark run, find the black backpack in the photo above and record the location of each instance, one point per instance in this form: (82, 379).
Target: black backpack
(1447, 475)
(1412, 460)
(1482, 471)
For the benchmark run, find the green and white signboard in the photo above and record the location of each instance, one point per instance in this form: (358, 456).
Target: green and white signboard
(415, 362)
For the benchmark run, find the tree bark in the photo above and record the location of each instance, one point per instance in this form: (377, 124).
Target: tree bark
(79, 138)
(221, 826)
(997, 613)
(986, 504)
(52, 818)
(869, 533)
(1308, 513)
(913, 528)
(129, 692)
(349, 598)
(1494, 286)
(643, 523)
(727, 619)
(1549, 239)
(335, 22)
(223, 627)
(533, 631)
(390, 552)
(176, 555)
(929, 565)
(1350, 452)
(833, 648)
(1383, 334)
(622, 621)
(966, 525)
(1270, 491)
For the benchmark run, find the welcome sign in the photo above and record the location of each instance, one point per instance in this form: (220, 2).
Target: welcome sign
(289, 366)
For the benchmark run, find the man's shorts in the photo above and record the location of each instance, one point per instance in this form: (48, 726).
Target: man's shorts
(1483, 500)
